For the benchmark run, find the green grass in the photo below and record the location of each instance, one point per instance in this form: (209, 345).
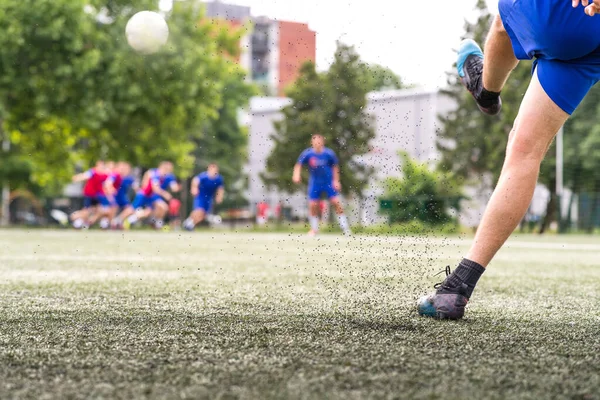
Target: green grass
(264, 316)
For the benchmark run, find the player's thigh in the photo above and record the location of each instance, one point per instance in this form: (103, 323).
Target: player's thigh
(198, 214)
(160, 205)
(538, 121)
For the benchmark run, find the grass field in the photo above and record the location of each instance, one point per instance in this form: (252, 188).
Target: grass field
(264, 316)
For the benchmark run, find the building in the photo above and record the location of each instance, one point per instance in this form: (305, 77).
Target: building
(406, 120)
(273, 51)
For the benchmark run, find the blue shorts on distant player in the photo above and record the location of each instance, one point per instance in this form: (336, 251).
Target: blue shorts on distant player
(203, 203)
(121, 201)
(316, 189)
(142, 201)
(92, 201)
(564, 42)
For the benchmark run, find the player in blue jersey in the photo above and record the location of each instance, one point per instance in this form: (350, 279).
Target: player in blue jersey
(123, 182)
(206, 187)
(152, 198)
(563, 39)
(324, 170)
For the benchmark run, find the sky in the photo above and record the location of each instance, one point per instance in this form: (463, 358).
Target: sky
(413, 38)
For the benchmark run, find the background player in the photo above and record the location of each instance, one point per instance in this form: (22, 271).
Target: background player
(123, 181)
(205, 186)
(93, 195)
(324, 170)
(151, 197)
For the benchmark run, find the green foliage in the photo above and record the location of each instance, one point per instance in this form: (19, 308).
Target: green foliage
(378, 77)
(421, 194)
(225, 142)
(71, 88)
(333, 105)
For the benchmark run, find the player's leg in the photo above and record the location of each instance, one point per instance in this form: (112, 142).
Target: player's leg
(538, 121)
(130, 215)
(335, 200)
(200, 208)
(160, 209)
(314, 194)
(113, 211)
(499, 58)
(102, 212)
(313, 216)
(484, 74)
(79, 217)
(123, 205)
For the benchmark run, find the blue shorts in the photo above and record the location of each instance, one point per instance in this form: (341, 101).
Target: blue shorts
(202, 203)
(143, 201)
(92, 201)
(564, 42)
(316, 189)
(121, 201)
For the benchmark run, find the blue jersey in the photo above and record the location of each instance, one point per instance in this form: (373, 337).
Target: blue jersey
(320, 165)
(208, 186)
(126, 184)
(165, 181)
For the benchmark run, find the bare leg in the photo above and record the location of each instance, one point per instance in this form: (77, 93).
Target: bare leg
(100, 212)
(499, 59)
(197, 216)
(314, 216)
(339, 209)
(537, 123)
(337, 204)
(129, 210)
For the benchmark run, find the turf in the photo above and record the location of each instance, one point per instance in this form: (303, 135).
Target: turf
(261, 316)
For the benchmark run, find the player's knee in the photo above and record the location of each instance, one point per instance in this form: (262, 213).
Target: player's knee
(523, 145)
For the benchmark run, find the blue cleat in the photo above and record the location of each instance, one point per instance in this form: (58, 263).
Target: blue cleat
(445, 303)
(470, 71)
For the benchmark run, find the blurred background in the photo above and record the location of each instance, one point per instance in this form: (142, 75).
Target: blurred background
(245, 84)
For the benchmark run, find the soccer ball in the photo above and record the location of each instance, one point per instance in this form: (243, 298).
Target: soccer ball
(147, 32)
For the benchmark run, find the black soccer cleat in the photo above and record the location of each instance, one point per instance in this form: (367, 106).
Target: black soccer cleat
(470, 71)
(446, 303)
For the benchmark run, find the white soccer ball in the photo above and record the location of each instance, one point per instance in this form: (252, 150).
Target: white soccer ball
(147, 32)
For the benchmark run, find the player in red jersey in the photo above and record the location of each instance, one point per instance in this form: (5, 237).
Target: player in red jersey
(93, 194)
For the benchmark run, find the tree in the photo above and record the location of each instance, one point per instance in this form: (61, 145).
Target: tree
(420, 194)
(71, 89)
(473, 144)
(224, 141)
(333, 104)
(581, 160)
(378, 77)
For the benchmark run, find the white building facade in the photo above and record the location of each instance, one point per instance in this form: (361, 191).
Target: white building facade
(406, 120)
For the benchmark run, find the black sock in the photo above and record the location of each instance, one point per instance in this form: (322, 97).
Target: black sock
(486, 98)
(467, 272)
